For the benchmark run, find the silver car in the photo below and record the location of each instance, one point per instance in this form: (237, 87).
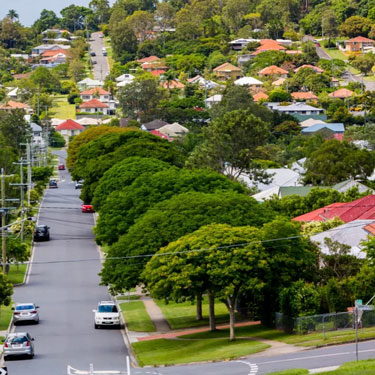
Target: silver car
(25, 312)
(17, 344)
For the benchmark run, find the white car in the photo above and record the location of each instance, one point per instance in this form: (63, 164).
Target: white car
(25, 312)
(107, 314)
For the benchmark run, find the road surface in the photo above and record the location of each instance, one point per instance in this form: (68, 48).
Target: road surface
(66, 289)
(101, 68)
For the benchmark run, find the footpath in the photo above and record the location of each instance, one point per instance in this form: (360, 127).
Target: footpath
(163, 330)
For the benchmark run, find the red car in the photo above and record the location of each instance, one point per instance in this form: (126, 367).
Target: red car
(61, 167)
(87, 208)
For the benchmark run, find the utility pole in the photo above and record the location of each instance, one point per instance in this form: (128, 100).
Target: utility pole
(3, 223)
(28, 157)
(21, 163)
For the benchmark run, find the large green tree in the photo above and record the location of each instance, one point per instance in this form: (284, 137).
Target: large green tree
(169, 220)
(337, 161)
(123, 207)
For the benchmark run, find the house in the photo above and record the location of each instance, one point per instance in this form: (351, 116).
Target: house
(310, 122)
(158, 73)
(37, 51)
(200, 81)
(341, 94)
(315, 68)
(271, 45)
(150, 59)
(153, 125)
(335, 130)
(273, 70)
(22, 76)
(57, 56)
(154, 66)
(299, 110)
(243, 59)
(252, 83)
(172, 85)
(241, 43)
(89, 83)
(94, 106)
(212, 100)
(88, 121)
(124, 79)
(11, 105)
(173, 130)
(160, 135)
(37, 135)
(69, 128)
(260, 96)
(358, 44)
(58, 32)
(302, 96)
(96, 93)
(335, 82)
(361, 209)
(279, 82)
(351, 234)
(227, 71)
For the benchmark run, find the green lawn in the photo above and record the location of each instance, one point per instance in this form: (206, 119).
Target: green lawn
(312, 339)
(16, 274)
(366, 367)
(182, 315)
(335, 54)
(132, 297)
(5, 316)
(108, 47)
(136, 317)
(168, 352)
(62, 109)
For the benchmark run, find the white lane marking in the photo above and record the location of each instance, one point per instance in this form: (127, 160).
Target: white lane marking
(318, 356)
(323, 369)
(253, 368)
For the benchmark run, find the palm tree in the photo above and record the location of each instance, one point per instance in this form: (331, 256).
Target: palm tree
(13, 15)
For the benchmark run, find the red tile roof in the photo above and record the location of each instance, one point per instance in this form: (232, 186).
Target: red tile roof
(227, 67)
(157, 73)
(69, 125)
(96, 90)
(148, 59)
(370, 228)
(359, 39)
(13, 105)
(172, 84)
(93, 103)
(360, 209)
(301, 95)
(54, 52)
(272, 70)
(260, 96)
(341, 93)
(158, 134)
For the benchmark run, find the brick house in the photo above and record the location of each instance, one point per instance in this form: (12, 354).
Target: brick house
(358, 44)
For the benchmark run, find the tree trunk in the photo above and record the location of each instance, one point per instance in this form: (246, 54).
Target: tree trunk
(231, 321)
(199, 307)
(211, 301)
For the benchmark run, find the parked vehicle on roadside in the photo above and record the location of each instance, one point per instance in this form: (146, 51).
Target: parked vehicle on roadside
(41, 233)
(52, 184)
(106, 314)
(25, 312)
(18, 344)
(61, 167)
(87, 208)
(78, 185)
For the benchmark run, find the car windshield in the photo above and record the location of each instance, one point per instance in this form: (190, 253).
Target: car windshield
(24, 307)
(18, 340)
(41, 229)
(107, 308)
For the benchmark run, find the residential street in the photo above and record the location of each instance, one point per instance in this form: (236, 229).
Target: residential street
(67, 293)
(101, 69)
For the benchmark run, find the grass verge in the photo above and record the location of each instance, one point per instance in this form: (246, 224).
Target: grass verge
(16, 274)
(62, 109)
(136, 317)
(169, 352)
(182, 315)
(5, 316)
(335, 54)
(108, 47)
(132, 297)
(296, 371)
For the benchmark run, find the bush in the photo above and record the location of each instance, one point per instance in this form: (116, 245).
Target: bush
(57, 140)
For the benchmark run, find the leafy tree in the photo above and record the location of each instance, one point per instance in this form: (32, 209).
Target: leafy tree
(169, 220)
(164, 15)
(122, 175)
(140, 98)
(41, 173)
(6, 290)
(230, 143)
(11, 33)
(141, 23)
(123, 207)
(329, 24)
(101, 10)
(14, 128)
(45, 80)
(337, 161)
(17, 250)
(12, 15)
(84, 138)
(57, 140)
(124, 41)
(364, 63)
(279, 95)
(234, 12)
(73, 17)
(190, 274)
(8, 154)
(355, 26)
(76, 70)
(47, 20)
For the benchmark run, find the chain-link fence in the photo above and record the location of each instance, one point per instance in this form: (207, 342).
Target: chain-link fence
(324, 322)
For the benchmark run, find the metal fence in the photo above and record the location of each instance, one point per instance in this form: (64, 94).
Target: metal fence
(324, 322)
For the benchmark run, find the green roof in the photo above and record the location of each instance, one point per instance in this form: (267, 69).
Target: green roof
(301, 118)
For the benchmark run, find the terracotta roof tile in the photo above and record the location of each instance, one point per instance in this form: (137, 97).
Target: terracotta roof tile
(96, 90)
(93, 103)
(273, 70)
(69, 125)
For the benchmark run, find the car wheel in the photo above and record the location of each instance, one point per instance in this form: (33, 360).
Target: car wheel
(31, 356)
(96, 326)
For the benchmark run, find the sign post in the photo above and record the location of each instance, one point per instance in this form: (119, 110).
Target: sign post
(358, 312)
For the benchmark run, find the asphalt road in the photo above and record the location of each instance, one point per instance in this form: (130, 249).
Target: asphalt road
(66, 293)
(101, 68)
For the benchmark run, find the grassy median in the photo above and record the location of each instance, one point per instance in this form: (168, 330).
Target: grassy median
(136, 317)
(174, 351)
(16, 274)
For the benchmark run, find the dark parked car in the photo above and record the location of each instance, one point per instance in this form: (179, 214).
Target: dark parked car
(61, 167)
(78, 185)
(41, 233)
(52, 184)
(92, 53)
